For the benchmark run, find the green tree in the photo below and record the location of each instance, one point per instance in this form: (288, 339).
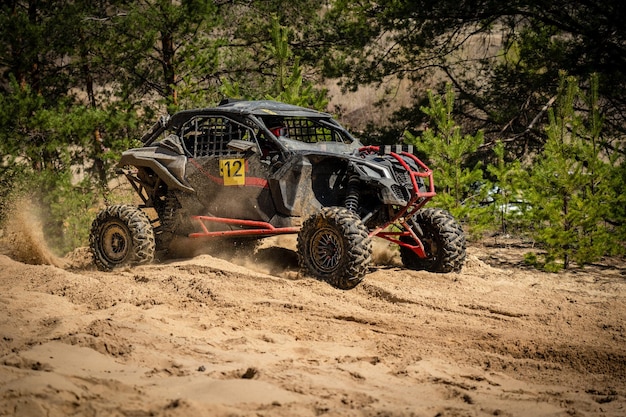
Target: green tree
(166, 51)
(59, 128)
(616, 218)
(288, 84)
(246, 58)
(503, 58)
(506, 192)
(459, 182)
(44, 151)
(570, 191)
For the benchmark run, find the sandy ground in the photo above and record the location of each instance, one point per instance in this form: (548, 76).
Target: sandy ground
(215, 336)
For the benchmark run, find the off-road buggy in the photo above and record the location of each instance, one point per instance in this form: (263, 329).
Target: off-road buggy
(250, 169)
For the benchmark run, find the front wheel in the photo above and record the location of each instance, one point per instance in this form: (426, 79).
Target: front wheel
(334, 245)
(443, 240)
(121, 235)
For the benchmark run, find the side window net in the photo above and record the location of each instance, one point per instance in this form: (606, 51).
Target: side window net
(209, 136)
(311, 131)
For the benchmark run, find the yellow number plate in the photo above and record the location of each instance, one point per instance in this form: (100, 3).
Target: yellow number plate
(233, 171)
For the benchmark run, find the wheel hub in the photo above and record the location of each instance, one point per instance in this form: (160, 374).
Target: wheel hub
(327, 250)
(115, 239)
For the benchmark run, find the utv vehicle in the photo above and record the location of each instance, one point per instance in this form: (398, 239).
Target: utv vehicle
(245, 170)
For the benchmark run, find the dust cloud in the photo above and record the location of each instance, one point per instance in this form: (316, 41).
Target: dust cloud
(22, 236)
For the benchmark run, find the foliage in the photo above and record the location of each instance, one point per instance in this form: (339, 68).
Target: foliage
(569, 190)
(67, 209)
(247, 59)
(503, 58)
(166, 51)
(10, 179)
(80, 81)
(289, 85)
(616, 214)
(50, 151)
(506, 196)
(460, 186)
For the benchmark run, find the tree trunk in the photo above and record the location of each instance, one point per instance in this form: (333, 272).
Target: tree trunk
(169, 73)
(98, 147)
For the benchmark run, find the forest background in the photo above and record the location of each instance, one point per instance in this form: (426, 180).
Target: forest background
(519, 107)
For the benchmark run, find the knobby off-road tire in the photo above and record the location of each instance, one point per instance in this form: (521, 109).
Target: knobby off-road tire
(121, 235)
(443, 240)
(167, 211)
(333, 245)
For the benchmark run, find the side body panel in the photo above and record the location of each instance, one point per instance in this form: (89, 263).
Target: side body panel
(233, 186)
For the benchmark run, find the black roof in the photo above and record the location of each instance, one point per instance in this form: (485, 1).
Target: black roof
(261, 108)
(254, 107)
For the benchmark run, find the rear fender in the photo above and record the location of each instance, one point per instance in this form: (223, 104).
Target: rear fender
(168, 165)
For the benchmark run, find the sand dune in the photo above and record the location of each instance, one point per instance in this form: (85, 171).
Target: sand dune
(250, 336)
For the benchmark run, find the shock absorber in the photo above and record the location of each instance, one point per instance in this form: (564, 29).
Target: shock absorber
(352, 193)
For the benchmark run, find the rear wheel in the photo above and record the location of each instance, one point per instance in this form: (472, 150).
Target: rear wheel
(121, 235)
(334, 246)
(443, 240)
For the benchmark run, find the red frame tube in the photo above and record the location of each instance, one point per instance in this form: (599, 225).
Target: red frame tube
(262, 228)
(393, 237)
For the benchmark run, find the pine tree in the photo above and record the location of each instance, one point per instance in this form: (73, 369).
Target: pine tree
(166, 51)
(569, 183)
(289, 85)
(459, 183)
(508, 207)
